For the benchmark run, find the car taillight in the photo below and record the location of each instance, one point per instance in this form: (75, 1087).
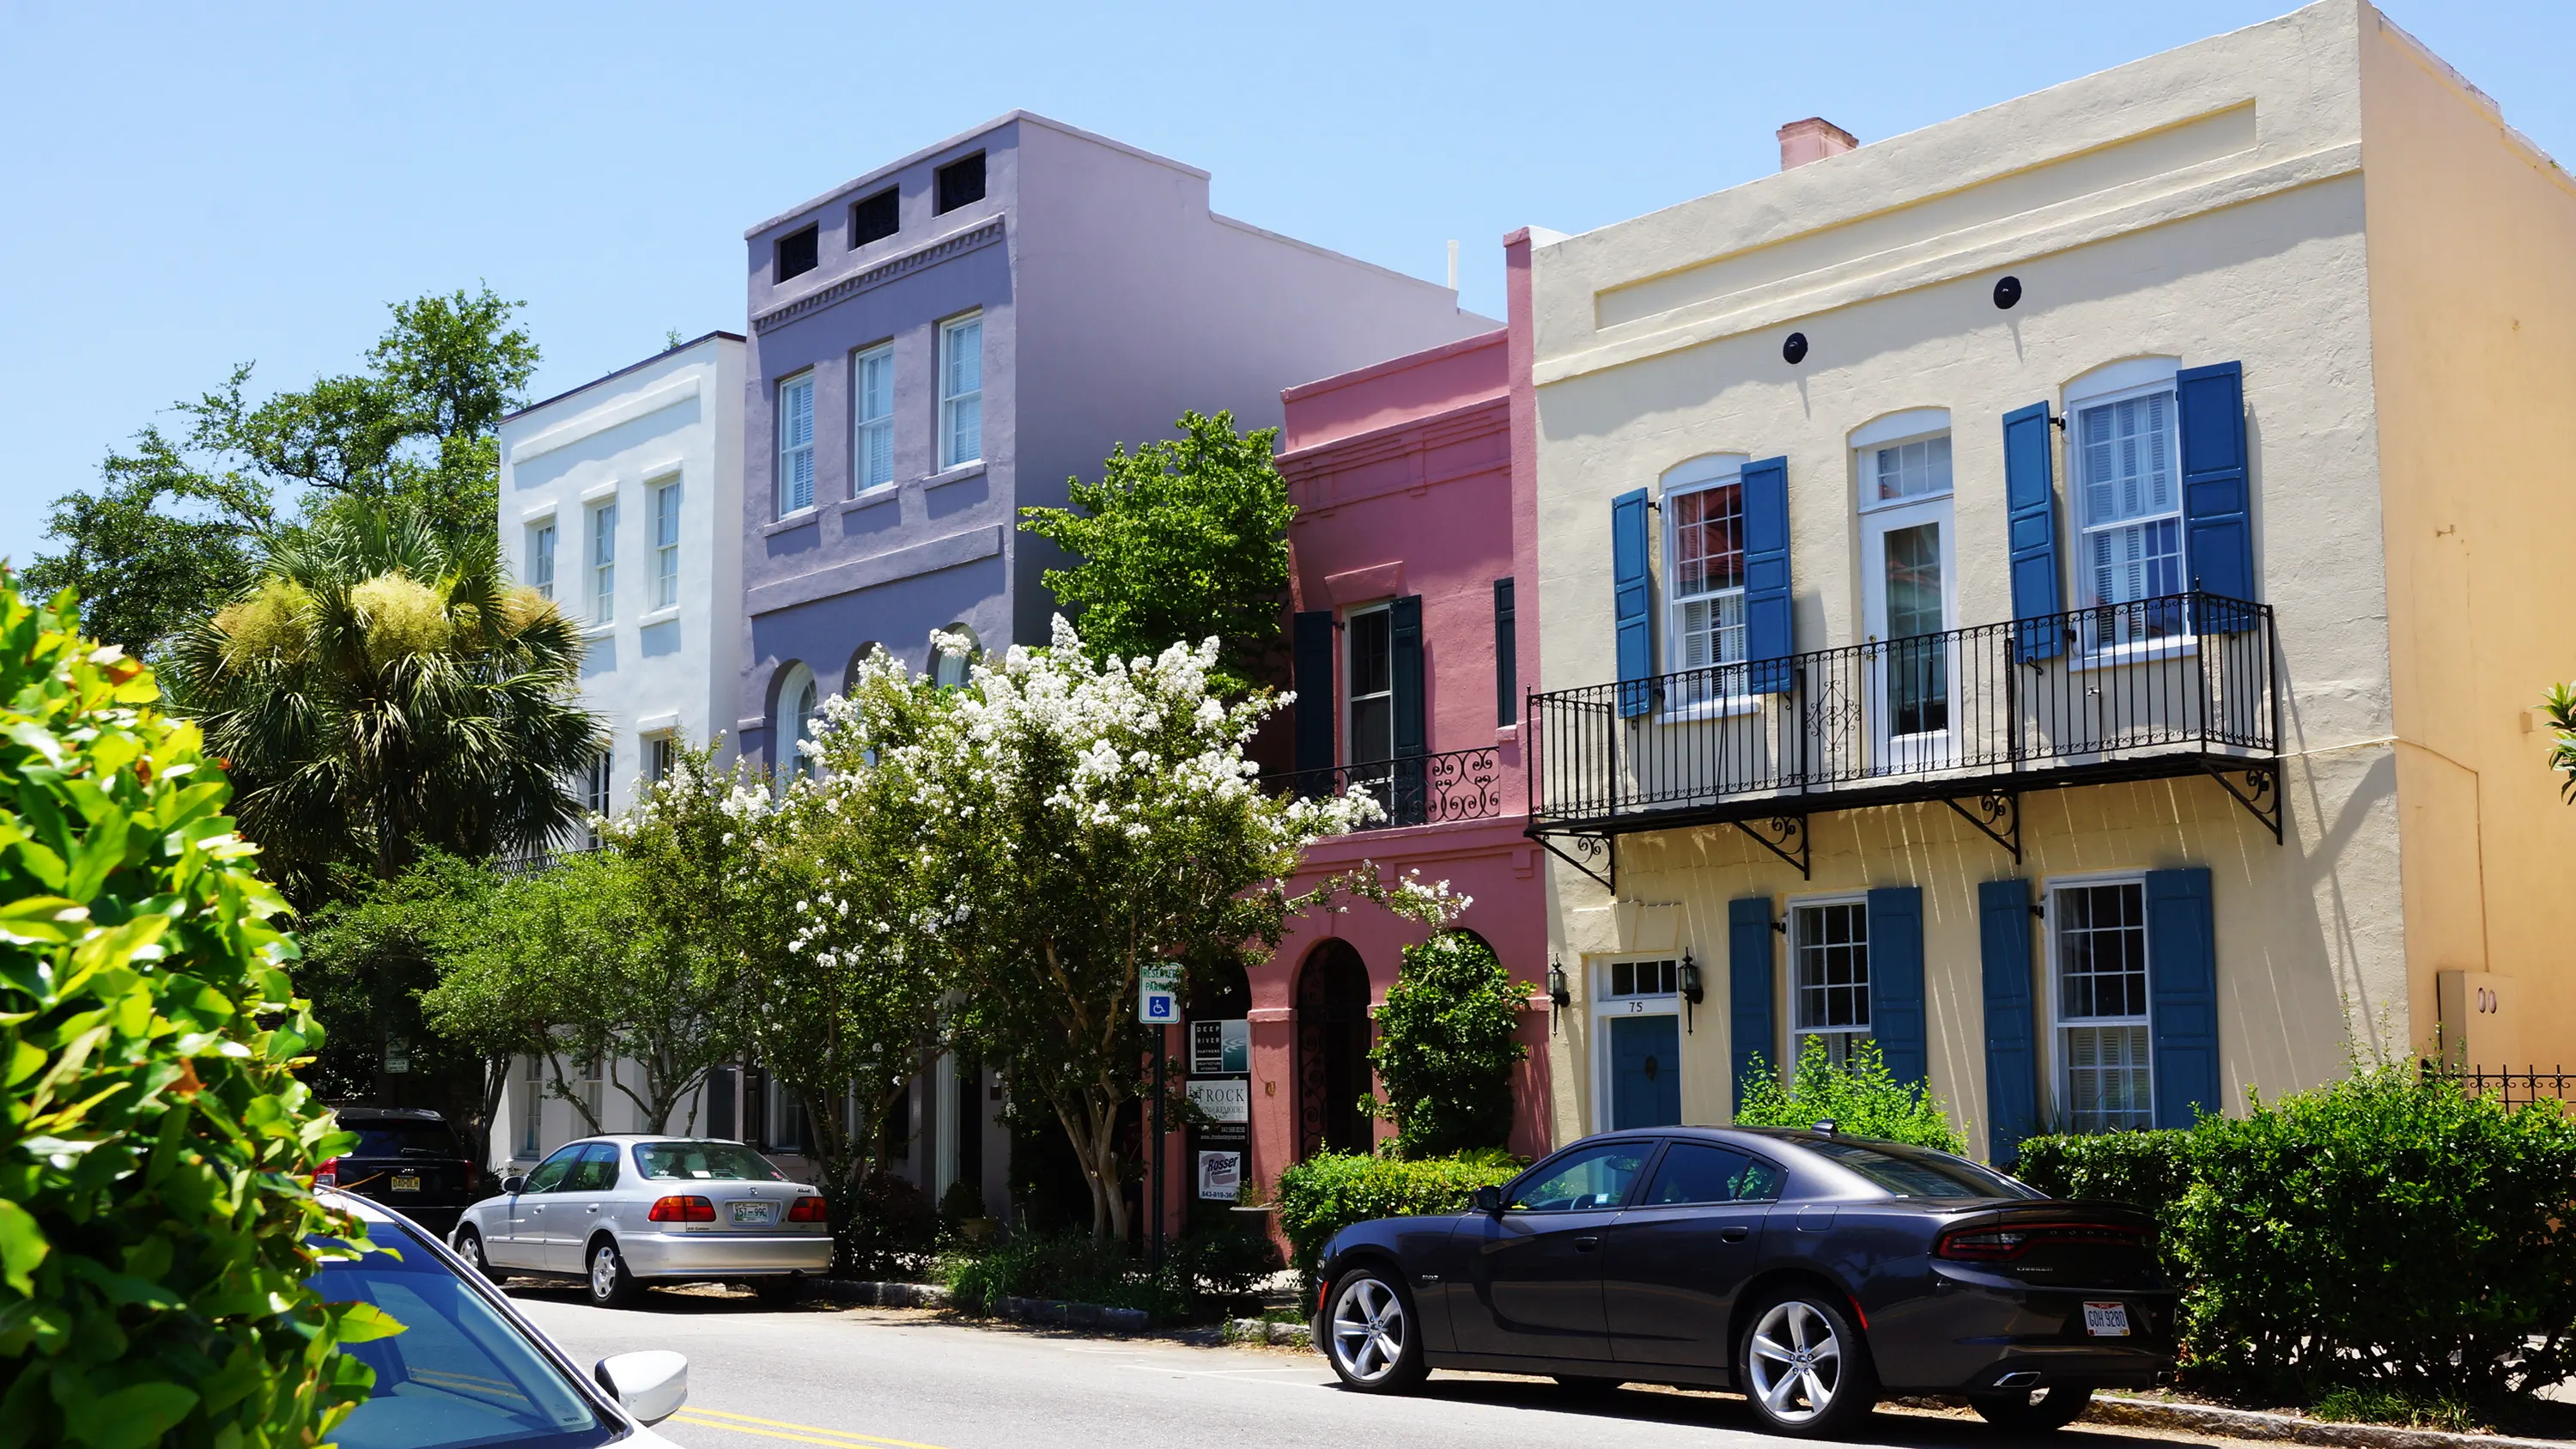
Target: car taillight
(1995, 1244)
(328, 1174)
(681, 1210)
(808, 1210)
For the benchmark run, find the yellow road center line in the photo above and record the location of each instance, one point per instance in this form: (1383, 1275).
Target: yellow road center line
(715, 1419)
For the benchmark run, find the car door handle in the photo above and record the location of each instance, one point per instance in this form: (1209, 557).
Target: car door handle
(1735, 1234)
(594, 1207)
(1586, 1245)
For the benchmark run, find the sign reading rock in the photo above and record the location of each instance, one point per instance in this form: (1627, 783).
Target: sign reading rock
(1226, 1099)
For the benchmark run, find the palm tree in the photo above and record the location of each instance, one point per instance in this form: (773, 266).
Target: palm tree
(380, 689)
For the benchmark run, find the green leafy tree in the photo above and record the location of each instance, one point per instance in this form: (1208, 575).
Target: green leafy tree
(382, 691)
(1448, 1037)
(1863, 1099)
(170, 532)
(1182, 540)
(157, 1225)
(1082, 821)
(2561, 707)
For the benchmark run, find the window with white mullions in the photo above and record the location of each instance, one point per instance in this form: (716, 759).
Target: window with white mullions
(666, 544)
(796, 444)
(603, 563)
(1369, 685)
(1916, 469)
(2130, 502)
(541, 559)
(961, 391)
(1705, 516)
(1829, 978)
(2098, 937)
(872, 393)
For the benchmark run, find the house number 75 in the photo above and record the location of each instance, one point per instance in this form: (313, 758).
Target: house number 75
(1636, 1008)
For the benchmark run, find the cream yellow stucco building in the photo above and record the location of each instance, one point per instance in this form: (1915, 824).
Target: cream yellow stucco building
(1961, 555)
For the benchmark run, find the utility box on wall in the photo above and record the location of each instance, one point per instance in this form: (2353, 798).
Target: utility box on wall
(2481, 1025)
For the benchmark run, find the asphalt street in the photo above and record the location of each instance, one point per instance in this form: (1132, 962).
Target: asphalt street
(893, 1379)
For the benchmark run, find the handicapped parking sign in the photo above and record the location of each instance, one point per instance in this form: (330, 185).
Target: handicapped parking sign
(1158, 995)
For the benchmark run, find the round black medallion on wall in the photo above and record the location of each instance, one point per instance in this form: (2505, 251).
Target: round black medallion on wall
(1795, 349)
(2007, 292)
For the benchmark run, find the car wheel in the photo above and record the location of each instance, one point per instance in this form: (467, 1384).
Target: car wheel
(1577, 1386)
(1803, 1367)
(778, 1292)
(611, 1286)
(469, 1246)
(2033, 1410)
(1371, 1337)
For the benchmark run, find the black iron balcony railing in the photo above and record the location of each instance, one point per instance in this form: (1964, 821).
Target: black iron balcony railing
(1973, 716)
(1416, 790)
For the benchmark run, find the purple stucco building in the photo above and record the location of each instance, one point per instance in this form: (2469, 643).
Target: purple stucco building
(946, 339)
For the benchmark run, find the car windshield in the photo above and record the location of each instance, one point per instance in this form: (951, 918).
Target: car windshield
(459, 1372)
(403, 1139)
(1920, 1174)
(715, 1161)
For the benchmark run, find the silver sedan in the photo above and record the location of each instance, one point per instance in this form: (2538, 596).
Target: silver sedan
(621, 1211)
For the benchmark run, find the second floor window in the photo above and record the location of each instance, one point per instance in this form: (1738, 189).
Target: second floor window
(541, 559)
(872, 398)
(1708, 575)
(795, 444)
(603, 563)
(961, 391)
(1369, 675)
(661, 752)
(666, 545)
(2129, 499)
(1829, 962)
(594, 798)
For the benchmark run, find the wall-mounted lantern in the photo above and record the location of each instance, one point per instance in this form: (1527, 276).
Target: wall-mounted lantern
(1693, 990)
(1556, 991)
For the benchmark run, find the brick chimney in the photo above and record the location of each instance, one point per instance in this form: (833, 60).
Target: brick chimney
(1812, 139)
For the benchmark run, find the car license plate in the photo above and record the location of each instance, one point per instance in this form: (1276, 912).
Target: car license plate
(2106, 1320)
(759, 1213)
(407, 1183)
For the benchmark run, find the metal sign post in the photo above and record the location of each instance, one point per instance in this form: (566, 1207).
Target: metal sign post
(1158, 992)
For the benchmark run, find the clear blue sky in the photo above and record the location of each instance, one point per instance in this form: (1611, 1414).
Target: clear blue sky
(183, 187)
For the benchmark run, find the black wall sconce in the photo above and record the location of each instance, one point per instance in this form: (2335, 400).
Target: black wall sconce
(1794, 351)
(2007, 293)
(1557, 994)
(1693, 990)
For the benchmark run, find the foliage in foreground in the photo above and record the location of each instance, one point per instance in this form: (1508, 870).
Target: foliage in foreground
(156, 1160)
(1863, 1099)
(2149, 1170)
(1330, 1191)
(1448, 1037)
(2560, 705)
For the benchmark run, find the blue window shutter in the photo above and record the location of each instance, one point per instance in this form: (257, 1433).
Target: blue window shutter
(1748, 977)
(2217, 501)
(2030, 510)
(2012, 1039)
(1632, 601)
(1311, 662)
(2182, 994)
(1896, 982)
(1769, 638)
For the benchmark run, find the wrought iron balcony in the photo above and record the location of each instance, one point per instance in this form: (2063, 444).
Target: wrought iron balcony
(1416, 790)
(2177, 685)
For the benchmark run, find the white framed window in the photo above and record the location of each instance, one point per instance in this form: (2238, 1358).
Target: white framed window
(2097, 932)
(532, 1107)
(872, 417)
(541, 558)
(661, 753)
(603, 562)
(2128, 496)
(1368, 685)
(1703, 506)
(800, 705)
(961, 391)
(1829, 978)
(593, 1088)
(594, 797)
(666, 544)
(796, 444)
(1899, 472)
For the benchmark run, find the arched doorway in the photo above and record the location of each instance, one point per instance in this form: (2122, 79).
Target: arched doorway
(1332, 1051)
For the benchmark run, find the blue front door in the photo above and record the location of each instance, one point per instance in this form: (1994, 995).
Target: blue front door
(1645, 1071)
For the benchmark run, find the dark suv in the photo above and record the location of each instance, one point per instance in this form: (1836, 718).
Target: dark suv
(407, 1159)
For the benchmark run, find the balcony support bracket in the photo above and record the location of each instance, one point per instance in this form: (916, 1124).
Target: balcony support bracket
(1587, 848)
(1996, 814)
(1784, 836)
(2261, 794)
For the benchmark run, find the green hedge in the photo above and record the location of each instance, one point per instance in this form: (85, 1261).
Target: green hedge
(1332, 1190)
(1863, 1099)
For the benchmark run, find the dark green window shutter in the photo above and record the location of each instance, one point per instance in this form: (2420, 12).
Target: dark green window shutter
(2030, 525)
(1896, 982)
(1748, 977)
(1311, 660)
(1404, 635)
(1769, 635)
(2217, 503)
(2182, 994)
(1507, 657)
(2012, 1042)
(1632, 601)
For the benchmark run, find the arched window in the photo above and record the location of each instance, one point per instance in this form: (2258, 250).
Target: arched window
(1332, 1050)
(800, 703)
(858, 657)
(949, 667)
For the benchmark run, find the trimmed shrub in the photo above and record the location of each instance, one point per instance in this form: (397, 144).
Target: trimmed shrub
(156, 1208)
(1332, 1190)
(2146, 1170)
(2387, 1232)
(1861, 1100)
(1448, 1037)
(1074, 1266)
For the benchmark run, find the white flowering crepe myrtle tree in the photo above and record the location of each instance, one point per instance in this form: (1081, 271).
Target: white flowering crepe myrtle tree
(1078, 822)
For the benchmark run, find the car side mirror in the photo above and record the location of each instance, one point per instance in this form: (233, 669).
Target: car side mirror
(1488, 1200)
(512, 1184)
(652, 1385)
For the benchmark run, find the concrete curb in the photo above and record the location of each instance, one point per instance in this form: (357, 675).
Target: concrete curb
(1057, 1313)
(1262, 1330)
(879, 1295)
(2253, 1424)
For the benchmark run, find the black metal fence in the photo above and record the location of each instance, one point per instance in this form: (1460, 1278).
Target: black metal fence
(2516, 1088)
(1417, 790)
(2186, 674)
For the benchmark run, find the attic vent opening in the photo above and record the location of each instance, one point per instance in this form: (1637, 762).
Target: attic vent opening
(796, 254)
(874, 219)
(961, 182)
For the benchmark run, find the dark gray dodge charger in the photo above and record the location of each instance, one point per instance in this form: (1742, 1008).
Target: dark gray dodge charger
(1810, 1271)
